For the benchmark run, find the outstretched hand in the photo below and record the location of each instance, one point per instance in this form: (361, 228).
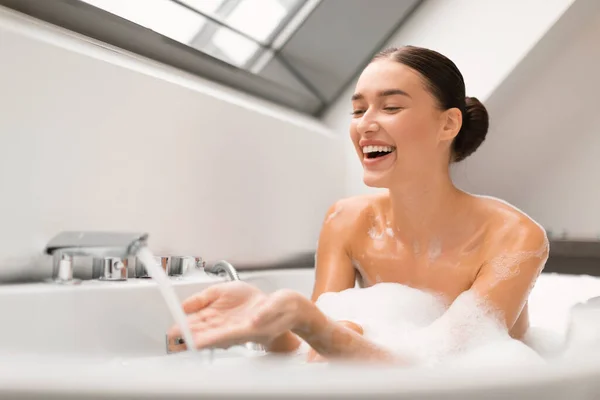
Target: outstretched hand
(234, 313)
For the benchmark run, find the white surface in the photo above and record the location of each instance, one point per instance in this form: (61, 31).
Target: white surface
(93, 319)
(99, 312)
(92, 138)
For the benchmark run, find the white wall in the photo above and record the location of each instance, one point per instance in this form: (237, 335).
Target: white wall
(92, 138)
(540, 83)
(543, 152)
(486, 39)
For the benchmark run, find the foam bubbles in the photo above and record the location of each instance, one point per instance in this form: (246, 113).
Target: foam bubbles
(375, 233)
(421, 327)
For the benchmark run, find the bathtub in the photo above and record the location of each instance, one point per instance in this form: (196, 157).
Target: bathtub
(106, 340)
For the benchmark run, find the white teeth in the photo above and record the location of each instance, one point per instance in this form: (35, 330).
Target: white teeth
(373, 149)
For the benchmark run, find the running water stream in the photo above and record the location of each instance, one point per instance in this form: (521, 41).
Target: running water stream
(167, 292)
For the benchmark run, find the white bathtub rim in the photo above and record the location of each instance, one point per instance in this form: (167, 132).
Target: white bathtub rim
(108, 380)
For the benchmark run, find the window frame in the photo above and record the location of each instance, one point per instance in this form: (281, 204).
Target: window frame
(93, 22)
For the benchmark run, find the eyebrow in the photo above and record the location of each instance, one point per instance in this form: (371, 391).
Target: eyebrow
(383, 93)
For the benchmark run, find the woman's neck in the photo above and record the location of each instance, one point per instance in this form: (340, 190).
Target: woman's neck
(423, 206)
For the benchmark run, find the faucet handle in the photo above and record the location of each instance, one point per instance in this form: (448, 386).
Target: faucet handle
(110, 269)
(180, 265)
(62, 270)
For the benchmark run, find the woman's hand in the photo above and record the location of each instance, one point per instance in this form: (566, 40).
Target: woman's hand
(234, 313)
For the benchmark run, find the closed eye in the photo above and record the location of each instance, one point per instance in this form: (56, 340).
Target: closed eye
(357, 112)
(392, 109)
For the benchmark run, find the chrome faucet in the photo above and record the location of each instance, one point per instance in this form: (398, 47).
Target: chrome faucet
(223, 267)
(102, 245)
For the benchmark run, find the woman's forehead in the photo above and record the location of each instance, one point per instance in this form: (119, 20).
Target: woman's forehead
(383, 75)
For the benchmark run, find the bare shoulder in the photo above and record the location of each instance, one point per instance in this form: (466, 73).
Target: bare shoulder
(510, 229)
(352, 212)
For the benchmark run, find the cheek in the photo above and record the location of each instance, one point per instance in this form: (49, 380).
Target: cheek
(408, 129)
(353, 131)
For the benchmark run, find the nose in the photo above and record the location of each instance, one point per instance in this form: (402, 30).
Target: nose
(367, 124)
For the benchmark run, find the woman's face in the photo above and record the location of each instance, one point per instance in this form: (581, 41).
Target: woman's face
(396, 124)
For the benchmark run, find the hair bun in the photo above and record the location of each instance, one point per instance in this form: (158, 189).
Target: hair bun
(473, 131)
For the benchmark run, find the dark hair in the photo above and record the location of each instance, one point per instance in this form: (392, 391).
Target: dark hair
(445, 82)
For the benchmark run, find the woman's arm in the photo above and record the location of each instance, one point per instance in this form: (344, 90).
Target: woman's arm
(335, 340)
(334, 271)
(500, 290)
(514, 263)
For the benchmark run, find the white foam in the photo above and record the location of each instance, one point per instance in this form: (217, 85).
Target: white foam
(375, 234)
(434, 250)
(421, 327)
(506, 265)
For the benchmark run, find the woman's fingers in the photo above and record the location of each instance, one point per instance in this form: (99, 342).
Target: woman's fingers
(201, 300)
(222, 336)
(201, 323)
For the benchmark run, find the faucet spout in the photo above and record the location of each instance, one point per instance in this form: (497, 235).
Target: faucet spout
(97, 244)
(223, 267)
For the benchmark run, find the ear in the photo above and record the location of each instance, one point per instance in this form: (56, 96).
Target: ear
(451, 124)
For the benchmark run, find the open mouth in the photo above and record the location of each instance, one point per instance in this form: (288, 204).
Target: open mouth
(372, 152)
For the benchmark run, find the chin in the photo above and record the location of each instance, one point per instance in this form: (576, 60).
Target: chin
(376, 179)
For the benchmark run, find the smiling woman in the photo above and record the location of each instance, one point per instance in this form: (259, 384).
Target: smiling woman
(425, 81)
(457, 266)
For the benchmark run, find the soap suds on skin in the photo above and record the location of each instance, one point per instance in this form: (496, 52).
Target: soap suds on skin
(334, 214)
(506, 265)
(434, 250)
(374, 231)
(375, 234)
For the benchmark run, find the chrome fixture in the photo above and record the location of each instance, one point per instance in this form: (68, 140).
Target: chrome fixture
(101, 245)
(172, 265)
(142, 272)
(110, 269)
(223, 268)
(180, 265)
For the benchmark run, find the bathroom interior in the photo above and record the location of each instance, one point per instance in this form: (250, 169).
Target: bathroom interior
(217, 130)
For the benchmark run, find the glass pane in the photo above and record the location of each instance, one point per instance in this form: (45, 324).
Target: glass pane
(256, 18)
(209, 7)
(162, 16)
(227, 45)
(257, 21)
